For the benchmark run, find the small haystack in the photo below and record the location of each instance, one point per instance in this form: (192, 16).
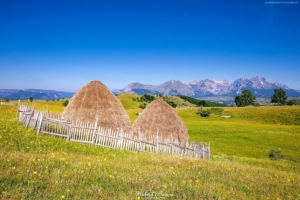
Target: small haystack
(159, 116)
(95, 99)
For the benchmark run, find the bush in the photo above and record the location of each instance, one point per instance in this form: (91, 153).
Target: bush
(65, 103)
(143, 106)
(275, 154)
(204, 113)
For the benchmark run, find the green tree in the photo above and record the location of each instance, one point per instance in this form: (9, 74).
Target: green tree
(245, 99)
(279, 96)
(6, 99)
(30, 99)
(202, 103)
(239, 101)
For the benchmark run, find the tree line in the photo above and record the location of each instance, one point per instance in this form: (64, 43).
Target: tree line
(246, 98)
(200, 102)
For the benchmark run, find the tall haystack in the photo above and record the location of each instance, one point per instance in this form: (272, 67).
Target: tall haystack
(95, 99)
(162, 118)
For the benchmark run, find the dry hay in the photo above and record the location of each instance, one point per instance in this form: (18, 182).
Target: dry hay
(95, 99)
(159, 116)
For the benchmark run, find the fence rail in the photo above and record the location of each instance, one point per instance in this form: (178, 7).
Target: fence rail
(90, 133)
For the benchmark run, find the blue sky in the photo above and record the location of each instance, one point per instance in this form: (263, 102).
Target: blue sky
(62, 45)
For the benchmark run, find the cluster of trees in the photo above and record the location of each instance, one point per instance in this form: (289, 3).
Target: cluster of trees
(171, 103)
(144, 98)
(247, 98)
(201, 102)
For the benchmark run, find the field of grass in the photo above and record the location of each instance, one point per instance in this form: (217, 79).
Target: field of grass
(43, 167)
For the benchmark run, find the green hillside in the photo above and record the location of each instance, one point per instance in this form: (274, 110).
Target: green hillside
(43, 167)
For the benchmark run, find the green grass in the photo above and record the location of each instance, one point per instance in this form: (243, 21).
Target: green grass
(43, 167)
(251, 132)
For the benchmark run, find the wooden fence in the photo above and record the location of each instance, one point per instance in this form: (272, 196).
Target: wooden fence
(90, 133)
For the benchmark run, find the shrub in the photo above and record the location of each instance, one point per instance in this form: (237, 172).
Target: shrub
(204, 113)
(65, 103)
(275, 154)
(143, 106)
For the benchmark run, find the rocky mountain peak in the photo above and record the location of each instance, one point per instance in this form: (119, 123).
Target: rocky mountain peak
(210, 87)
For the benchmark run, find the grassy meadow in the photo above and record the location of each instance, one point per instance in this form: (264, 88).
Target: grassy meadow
(43, 167)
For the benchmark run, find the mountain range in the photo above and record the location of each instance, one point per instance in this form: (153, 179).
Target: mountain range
(211, 90)
(259, 86)
(14, 94)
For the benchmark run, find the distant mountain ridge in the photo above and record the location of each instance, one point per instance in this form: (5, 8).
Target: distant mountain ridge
(14, 94)
(259, 86)
(211, 90)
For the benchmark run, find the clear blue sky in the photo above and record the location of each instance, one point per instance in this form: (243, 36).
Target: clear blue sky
(62, 45)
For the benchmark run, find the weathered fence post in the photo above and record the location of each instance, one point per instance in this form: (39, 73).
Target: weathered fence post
(171, 144)
(121, 139)
(208, 149)
(203, 149)
(40, 123)
(18, 115)
(28, 118)
(194, 150)
(95, 130)
(36, 120)
(139, 140)
(70, 130)
(157, 140)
